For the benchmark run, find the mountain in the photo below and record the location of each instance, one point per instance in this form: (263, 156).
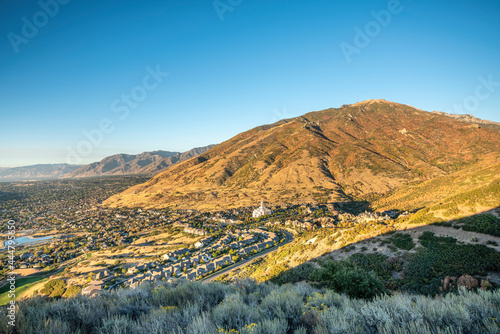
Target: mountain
(355, 152)
(144, 163)
(37, 172)
(466, 118)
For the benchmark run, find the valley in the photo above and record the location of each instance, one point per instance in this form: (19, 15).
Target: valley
(352, 201)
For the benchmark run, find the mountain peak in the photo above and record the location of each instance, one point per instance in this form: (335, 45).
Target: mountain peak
(372, 101)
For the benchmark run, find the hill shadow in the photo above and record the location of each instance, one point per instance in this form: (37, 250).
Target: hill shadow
(354, 207)
(432, 259)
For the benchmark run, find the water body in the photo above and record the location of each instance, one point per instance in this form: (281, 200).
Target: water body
(27, 240)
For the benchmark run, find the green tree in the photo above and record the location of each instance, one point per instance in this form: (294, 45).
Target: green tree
(72, 291)
(54, 288)
(344, 277)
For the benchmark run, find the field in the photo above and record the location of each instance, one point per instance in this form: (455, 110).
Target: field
(22, 285)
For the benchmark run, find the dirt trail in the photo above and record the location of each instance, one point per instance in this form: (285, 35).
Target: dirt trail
(459, 234)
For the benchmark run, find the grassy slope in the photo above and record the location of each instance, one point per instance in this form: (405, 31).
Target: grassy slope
(452, 196)
(22, 284)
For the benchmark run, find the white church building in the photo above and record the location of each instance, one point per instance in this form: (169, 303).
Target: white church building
(261, 211)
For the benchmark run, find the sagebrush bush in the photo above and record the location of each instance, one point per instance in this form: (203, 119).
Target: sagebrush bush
(246, 307)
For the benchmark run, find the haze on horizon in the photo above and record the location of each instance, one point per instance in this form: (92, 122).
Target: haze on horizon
(174, 75)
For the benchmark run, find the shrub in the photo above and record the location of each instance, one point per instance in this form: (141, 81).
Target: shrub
(403, 241)
(72, 291)
(233, 313)
(482, 223)
(54, 288)
(344, 277)
(285, 304)
(287, 309)
(441, 257)
(293, 275)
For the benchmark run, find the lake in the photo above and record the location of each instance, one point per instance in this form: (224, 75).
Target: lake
(27, 240)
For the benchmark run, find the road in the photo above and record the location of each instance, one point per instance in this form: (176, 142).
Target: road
(240, 264)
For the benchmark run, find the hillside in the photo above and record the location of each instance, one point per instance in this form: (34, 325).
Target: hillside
(144, 163)
(37, 172)
(468, 191)
(358, 151)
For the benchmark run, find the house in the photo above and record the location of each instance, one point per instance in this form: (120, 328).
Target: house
(91, 290)
(226, 258)
(27, 256)
(208, 267)
(157, 272)
(157, 277)
(223, 261)
(173, 256)
(131, 281)
(252, 249)
(94, 288)
(203, 242)
(205, 257)
(167, 273)
(195, 231)
(243, 252)
(102, 274)
(186, 264)
(200, 271)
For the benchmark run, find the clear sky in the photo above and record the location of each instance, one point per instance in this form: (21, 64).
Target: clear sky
(232, 65)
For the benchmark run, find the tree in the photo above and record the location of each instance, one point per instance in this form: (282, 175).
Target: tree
(54, 288)
(72, 291)
(344, 277)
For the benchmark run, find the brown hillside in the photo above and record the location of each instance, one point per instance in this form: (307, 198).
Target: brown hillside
(356, 151)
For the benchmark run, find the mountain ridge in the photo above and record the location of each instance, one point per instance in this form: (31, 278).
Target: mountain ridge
(119, 164)
(356, 151)
(143, 163)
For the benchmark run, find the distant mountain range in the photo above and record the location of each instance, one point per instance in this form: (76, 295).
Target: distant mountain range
(37, 172)
(355, 152)
(119, 164)
(144, 163)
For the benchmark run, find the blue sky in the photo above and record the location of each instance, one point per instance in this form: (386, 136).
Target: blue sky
(230, 67)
